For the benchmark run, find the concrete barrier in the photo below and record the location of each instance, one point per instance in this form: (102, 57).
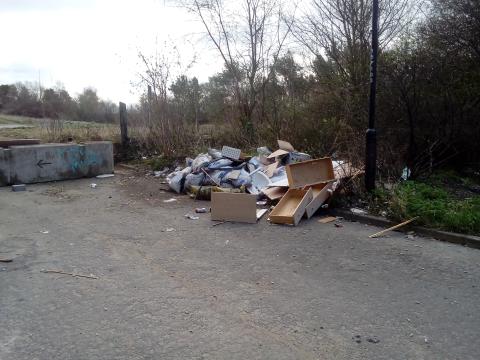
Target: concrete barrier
(50, 162)
(4, 167)
(98, 158)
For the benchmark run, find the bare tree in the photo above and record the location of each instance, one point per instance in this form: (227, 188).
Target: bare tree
(337, 32)
(157, 71)
(249, 35)
(340, 29)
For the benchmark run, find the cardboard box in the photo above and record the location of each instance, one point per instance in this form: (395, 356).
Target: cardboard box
(310, 173)
(275, 193)
(234, 207)
(292, 207)
(320, 194)
(277, 153)
(285, 145)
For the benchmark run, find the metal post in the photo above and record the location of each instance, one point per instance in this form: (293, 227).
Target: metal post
(123, 123)
(371, 138)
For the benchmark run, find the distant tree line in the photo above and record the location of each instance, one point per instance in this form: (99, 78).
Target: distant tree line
(304, 76)
(29, 99)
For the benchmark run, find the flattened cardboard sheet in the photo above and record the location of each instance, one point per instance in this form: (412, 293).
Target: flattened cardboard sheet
(234, 207)
(275, 193)
(270, 169)
(285, 145)
(277, 153)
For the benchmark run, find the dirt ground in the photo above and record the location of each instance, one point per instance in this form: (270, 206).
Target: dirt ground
(233, 291)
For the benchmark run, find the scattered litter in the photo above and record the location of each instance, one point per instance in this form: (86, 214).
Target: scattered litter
(373, 340)
(214, 153)
(338, 225)
(260, 181)
(163, 172)
(262, 203)
(260, 213)
(169, 229)
(275, 193)
(201, 210)
(263, 151)
(285, 145)
(296, 157)
(19, 187)
(91, 276)
(191, 217)
(277, 154)
(270, 169)
(170, 200)
(233, 175)
(405, 174)
(93, 185)
(231, 153)
(44, 231)
(3, 260)
(104, 176)
(358, 211)
(327, 219)
(393, 227)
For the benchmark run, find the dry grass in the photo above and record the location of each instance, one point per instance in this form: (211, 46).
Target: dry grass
(50, 130)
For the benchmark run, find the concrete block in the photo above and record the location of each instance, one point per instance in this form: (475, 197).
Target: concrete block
(98, 158)
(46, 162)
(20, 187)
(52, 162)
(4, 167)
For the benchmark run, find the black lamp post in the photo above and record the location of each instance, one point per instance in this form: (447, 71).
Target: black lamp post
(371, 138)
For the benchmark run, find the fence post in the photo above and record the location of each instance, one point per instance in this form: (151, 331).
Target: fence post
(123, 123)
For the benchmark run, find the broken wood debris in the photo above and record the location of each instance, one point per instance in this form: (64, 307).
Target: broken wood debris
(327, 219)
(380, 233)
(91, 276)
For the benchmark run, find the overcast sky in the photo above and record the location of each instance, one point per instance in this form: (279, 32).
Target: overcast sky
(83, 43)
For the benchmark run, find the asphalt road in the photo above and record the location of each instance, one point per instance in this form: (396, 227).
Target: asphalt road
(233, 291)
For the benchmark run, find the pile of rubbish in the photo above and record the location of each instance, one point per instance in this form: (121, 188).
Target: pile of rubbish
(285, 174)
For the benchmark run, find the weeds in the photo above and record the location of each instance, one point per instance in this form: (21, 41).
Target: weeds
(436, 206)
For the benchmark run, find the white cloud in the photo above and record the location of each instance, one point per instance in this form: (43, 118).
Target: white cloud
(93, 43)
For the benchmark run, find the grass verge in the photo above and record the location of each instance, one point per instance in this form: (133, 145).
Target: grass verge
(436, 204)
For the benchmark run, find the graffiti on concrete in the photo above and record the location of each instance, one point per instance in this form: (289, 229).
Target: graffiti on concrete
(78, 158)
(42, 163)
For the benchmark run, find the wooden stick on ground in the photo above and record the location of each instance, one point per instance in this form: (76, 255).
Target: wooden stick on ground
(71, 274)
(393, 227)
(211, 178)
